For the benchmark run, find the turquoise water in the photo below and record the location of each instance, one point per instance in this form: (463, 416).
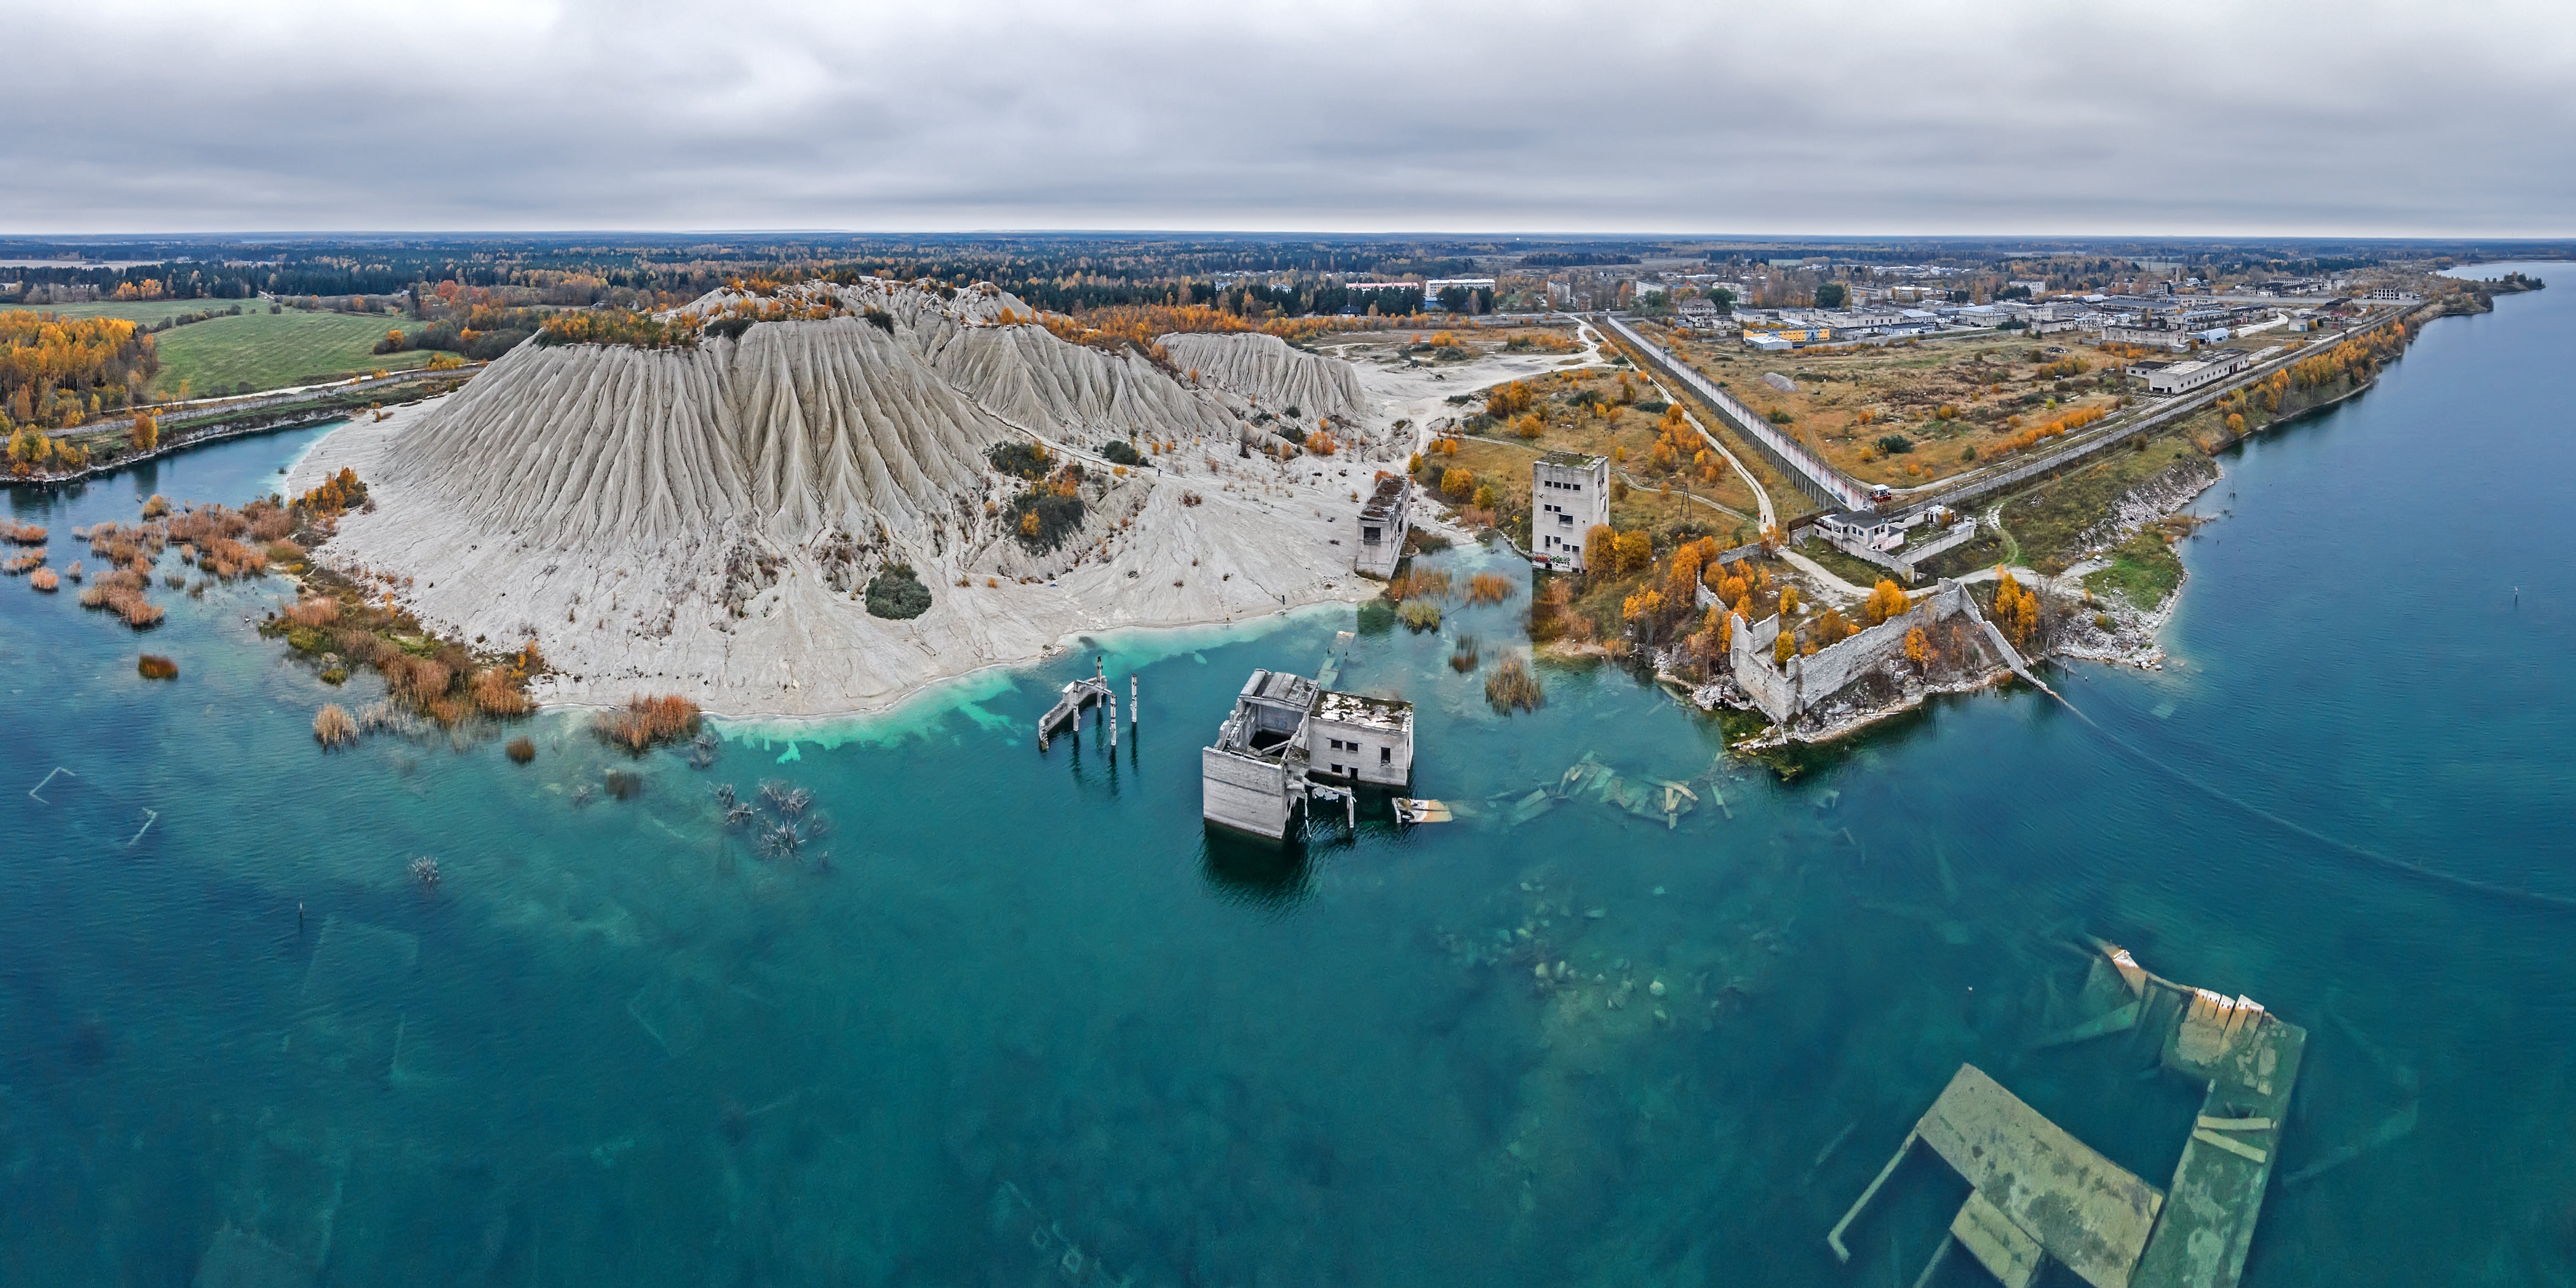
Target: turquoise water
(1014, 1019)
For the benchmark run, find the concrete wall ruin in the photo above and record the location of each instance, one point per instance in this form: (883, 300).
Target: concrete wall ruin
(1782, 692)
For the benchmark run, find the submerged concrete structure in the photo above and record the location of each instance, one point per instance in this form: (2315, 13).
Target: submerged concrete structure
(2039, 1194)
(1289, 738)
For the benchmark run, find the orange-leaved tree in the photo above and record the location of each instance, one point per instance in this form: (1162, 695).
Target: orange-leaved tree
(1885, 601)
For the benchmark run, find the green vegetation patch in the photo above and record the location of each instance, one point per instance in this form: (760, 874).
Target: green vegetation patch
(896, 593)
(2048, 522)
(1121, 452)
(2145, 571)
(263, 350)
(1857, 571)
(1018, 459)
(1043, 518)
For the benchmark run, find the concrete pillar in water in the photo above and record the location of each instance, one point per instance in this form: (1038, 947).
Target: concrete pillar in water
(1113, 721)
(1132, 708)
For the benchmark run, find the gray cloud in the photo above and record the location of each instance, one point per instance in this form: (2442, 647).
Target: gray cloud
(2006, 116)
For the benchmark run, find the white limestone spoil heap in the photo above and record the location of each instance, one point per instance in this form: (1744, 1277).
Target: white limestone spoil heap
(1273, 372)
(702, 521)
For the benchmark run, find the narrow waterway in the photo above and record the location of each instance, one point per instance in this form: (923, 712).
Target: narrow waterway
(1014, 1019)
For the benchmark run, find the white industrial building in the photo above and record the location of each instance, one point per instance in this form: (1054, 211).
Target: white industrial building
(1570, 495)
(2148, 337)
(2184, 377)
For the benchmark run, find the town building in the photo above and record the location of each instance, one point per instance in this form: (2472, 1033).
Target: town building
(1571, 492)
(2149, 334)
(1865, 527)
(1698, 315)
(1383, 521)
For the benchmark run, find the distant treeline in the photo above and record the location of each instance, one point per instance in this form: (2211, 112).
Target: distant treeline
(1575, 258)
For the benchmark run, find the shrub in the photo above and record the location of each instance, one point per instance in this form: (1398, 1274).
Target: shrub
(1019, 460)
(644, 722)
(424, 679)
(1465, 654)
(520, 751)
(334, 727)
(1488, 588)
(1043, 517)
(44, 580)
(1420, 615)
(897, 594)
(1419, 583)
(1121, 452)
(1512, 687)
(1894, 444)
(495, 695)
(153, 666)
(314, 612)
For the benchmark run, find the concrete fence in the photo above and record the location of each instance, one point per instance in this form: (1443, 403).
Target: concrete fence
(1793, 459)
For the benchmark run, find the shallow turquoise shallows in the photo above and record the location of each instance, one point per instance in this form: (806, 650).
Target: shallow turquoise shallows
(1014, 1019)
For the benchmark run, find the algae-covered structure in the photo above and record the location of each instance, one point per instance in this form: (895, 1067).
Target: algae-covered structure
(2041, 1195)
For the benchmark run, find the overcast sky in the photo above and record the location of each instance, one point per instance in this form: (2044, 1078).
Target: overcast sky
(1999, 116)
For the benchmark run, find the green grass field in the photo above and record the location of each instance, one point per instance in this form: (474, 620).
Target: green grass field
(273, 350)
(146, 313)
(266, 350)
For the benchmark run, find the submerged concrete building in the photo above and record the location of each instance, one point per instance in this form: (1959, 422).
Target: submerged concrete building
(1572, 494)
(1289, 738)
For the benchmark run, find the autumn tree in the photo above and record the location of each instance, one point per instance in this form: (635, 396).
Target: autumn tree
(146, 434)
(1458, 483)
(1918, 649)
(1601, 550)
(2016, 609)
(1885, 601)
(1636, 550)
(1832, 628)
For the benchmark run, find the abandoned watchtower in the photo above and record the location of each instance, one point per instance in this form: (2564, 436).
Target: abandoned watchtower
(1385, 518)
(1572, 493)
(1289, 737)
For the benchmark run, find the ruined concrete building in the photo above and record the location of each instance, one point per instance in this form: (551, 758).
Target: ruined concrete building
(1288, 738)
(1384, 520)
(1572, 494)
